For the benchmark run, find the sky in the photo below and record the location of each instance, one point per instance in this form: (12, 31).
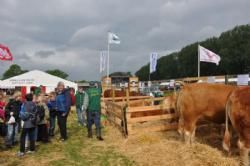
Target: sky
(69, 34)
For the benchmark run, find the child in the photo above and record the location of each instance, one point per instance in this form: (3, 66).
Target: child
(52, 113)
(28, 115)
(42, 111)
(12, 110)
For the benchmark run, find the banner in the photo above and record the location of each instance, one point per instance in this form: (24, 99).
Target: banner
(5, 53)
(153, 62)
(208, 56)
(102, 61)
(242, 79)
(211, 79)
(113, 38)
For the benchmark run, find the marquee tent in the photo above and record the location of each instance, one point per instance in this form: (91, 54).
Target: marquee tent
(35, 78)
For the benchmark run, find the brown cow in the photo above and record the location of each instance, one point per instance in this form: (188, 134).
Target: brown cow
(238, 111)
(201, 101)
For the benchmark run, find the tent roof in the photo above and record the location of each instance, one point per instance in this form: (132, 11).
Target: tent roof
(35, 78)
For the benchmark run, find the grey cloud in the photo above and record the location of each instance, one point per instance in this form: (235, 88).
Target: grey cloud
(70, 34)
(44, 53)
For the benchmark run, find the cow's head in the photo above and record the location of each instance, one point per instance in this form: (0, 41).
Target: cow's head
(170, 102)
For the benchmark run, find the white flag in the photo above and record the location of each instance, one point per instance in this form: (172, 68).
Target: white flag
(113, 38)
(153, 62)
(102, 61)
(208, 56)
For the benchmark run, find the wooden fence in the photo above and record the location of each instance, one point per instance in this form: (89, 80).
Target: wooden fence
(139, 114)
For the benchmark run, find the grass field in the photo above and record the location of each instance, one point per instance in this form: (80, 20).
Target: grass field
(77, 150)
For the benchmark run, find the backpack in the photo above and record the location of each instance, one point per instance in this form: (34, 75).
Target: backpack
(24, 116)
(40, 113)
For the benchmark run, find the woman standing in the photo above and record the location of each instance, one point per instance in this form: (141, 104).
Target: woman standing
(42, 111)
(12, 110)
(63, 104)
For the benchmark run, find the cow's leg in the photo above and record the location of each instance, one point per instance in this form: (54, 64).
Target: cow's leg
(189, 132)
(193, 135)
(244, 160)
(180, 127)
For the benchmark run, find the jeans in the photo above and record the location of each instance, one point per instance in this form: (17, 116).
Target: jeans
(31, 134)
(62, 123)
(52, 124)
(81, 116)
(12, 134)
(94, 117)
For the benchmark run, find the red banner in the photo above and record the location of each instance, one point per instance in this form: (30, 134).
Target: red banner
(5, 53)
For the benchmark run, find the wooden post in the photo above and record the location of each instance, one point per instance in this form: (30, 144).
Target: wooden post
(127, 97)
(113, 94)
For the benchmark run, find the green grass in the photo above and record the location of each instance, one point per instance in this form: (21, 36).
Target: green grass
(78, 150)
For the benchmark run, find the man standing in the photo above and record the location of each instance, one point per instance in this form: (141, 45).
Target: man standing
(81, 106)
(94, 110)
(63, 104)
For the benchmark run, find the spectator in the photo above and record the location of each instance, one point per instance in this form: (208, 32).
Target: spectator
(29, 115)
(42, 128)
(81, 106)
(94, 111)
(12, 110)
(63, 104)
(2, 114)
(52, 113)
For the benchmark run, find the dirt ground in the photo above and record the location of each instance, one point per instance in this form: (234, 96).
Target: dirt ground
(147, 149)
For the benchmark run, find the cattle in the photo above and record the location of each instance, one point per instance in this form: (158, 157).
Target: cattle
(201, 101)
(238, 112)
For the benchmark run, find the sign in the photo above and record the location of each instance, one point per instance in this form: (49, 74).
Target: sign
(211, 79)
(242, 79)
(22, 81)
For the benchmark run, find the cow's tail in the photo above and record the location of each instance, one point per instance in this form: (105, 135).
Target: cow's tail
(227, 136)
(179, 114)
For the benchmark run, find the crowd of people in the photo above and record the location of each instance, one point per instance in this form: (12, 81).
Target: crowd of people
(33, 119)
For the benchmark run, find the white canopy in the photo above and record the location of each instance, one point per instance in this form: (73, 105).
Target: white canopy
(35, 78)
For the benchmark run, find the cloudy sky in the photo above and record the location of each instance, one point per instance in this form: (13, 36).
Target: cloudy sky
(69, 34)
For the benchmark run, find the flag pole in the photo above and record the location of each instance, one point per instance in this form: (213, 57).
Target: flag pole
(108, 58)
(198, 61)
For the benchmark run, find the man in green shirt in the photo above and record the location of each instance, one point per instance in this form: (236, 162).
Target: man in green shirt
(94, 110)
(81, 106)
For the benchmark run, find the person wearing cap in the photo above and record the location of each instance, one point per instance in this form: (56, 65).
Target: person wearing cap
(63, 104)
(94, 110)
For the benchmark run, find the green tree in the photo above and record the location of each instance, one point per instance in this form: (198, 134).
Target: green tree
(121, 74)
(13, 70)
(232, 46)
(58, 73)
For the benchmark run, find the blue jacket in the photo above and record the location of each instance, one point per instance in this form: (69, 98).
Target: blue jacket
(63, 101)
(52, 105)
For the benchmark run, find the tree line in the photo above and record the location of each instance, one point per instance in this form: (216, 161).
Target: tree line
(232, 46)
(15, 70)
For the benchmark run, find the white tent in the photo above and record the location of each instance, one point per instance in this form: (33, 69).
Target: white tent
(35, 78)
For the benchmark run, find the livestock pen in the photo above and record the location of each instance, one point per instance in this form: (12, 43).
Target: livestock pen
(135, 114)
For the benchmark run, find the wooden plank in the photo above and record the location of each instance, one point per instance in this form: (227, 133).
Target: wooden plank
(113, 104)
(121, 98)
(115, 114)
(151, 118)
(147, 108)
